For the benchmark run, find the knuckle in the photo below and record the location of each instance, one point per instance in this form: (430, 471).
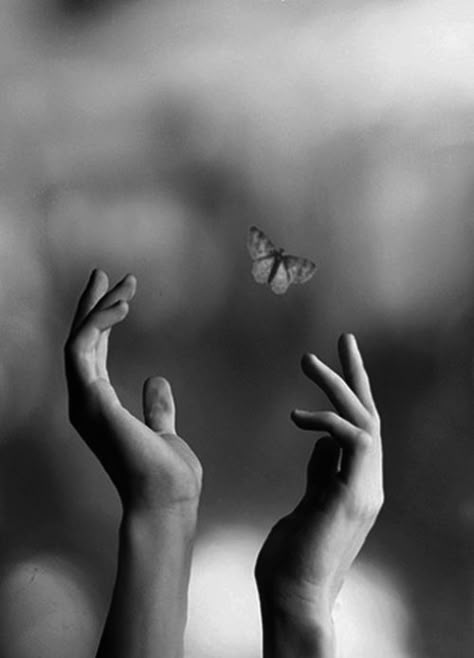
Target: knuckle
(199, 473)
(363, 440)
(374, 421)
(380, 500)
(370, 511)
(329, 417)
(370, 421)
(372, 508)
(377, 420)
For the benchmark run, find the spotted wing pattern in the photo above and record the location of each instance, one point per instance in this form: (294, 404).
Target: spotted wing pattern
(261, 269)
(274, 267)
(280, 281)
(259, 245)
(299, 270)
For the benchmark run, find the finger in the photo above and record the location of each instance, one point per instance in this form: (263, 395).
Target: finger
(323, 465)
(124, 290)
(158, 406)
(354, 371)
(346, 433)
(96, 322)
(355, 443)
(102, 351)
(96, 287)
(339, 393)
(93, 333)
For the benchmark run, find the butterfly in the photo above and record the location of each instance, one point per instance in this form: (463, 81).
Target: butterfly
(274, 266)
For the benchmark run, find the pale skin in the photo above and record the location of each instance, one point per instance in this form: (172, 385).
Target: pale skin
(156, 474)
(151, 467)
(304, 560)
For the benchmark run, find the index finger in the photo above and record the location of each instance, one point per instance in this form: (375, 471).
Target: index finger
(345, 401)
(354, 371)
(95, 289)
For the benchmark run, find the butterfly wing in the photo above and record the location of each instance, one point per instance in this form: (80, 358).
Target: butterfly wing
(280, 280)
(259, 245)
(262, 268)
(300, 270)
(271, 267)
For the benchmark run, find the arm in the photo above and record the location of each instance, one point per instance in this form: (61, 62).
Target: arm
(156, 474)
(303, 562)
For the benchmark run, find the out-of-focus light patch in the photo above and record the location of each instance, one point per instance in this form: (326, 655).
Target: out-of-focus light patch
(295, 84)
(420, 256)
(24, 317)
(47, 609)
(224, 615)
(402, 225)
(466, 514)
(372, 617)
(270, 89)
(180, 267)
(390, 56)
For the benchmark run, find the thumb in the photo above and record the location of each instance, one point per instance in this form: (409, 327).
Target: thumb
(158, 405)
(323, 465)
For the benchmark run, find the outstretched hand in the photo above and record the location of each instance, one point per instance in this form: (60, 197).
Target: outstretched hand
(151, 467)
(307, 554)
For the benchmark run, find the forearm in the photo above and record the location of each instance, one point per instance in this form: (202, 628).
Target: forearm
(148, 611)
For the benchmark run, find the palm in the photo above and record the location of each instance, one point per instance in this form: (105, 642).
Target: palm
(311, 551)
(307, 554)
(158, 464)
(147, 461)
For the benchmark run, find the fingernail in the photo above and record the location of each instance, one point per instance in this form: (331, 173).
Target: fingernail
(354, 341)
(128, 276)
(96, 272)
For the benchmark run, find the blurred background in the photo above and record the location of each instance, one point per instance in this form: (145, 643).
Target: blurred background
(146, 137)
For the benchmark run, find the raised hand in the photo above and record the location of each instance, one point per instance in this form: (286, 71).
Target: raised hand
(303, 562)
(157, 476)
(151, 467)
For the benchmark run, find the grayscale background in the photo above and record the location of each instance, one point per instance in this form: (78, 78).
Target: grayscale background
(146, 137)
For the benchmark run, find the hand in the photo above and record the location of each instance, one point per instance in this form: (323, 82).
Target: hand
(151, 467)
(306, 556)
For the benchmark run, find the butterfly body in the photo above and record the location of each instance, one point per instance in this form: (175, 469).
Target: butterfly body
(277, 259)
(274, 266)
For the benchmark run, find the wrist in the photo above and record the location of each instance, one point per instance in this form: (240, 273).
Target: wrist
(154, 562)
(289, 634)
(148, 522)
(158, 549)
(296, 625)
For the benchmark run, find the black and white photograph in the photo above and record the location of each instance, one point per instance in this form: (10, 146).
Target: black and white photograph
(236, 329)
